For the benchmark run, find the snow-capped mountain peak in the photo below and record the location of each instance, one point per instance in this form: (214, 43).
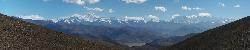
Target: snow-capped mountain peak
(94, 18)
(79, 18)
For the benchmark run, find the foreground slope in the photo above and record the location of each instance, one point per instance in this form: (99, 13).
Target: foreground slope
(232, 36)
(16, 34)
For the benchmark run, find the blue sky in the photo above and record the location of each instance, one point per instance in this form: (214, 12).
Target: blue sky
(119, 8)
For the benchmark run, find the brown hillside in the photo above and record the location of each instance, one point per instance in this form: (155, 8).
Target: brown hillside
(232, 36)
(16, 34)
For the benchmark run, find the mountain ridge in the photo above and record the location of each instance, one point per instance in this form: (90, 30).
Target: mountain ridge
(90, 17)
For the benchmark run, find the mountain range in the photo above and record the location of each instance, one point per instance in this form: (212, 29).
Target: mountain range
(130, 31)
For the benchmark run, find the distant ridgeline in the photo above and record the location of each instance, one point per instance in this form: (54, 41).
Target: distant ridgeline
(232, 36)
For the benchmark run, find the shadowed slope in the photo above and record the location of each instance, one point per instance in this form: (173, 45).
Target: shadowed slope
(232, 36)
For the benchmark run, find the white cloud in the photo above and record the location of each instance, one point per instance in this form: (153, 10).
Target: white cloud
(160, 8)
(94, 9)
(175, 15)
(33, 17)
(154, 18)
(222, 4)
(111, 11)
(190, 8)
(81, 2)
(97, 9)
(133, 18)
(135, 1)
(93, 1)
(204, 14)
(197, 8)
(185, 8)
(237, 5)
